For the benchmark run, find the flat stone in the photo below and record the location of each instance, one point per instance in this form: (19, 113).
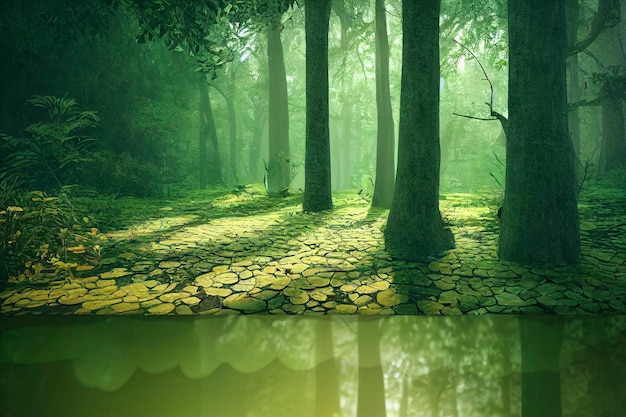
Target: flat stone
(388, 298)
(379, 285)
(280, 283)
(98, 304)
(115, 273)
(548, 288)
(183, 310)
(430, 307)
(345, 309)
(162, 308)
(104, 291)
(169, 264)
(227, 278)
(508, 299)
(220, 292)
(105, 283)
(123, 306)
(444, 285)
(191, 300)
(363, 300)
(243, 302)
(318, 281)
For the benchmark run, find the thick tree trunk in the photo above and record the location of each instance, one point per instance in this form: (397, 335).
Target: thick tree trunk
(278, 168)
(371, 396)
(415, 229)
(613, 153)
(317, 186)
(539, 222)
(541, 377)
(385, 140)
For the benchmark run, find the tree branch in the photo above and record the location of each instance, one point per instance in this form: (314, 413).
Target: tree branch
(494, 114)
(605, 9)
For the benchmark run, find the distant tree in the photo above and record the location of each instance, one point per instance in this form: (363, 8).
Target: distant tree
(317, 185)
(539, 222)
(278, 168)
(415, 229)
(385, 140)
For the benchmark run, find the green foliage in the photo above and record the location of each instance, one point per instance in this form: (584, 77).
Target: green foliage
(40, 233)
(612, 82)
(121, 175)
(53, 148)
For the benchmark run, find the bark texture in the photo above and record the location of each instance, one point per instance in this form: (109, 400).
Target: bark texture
(317, 185)
(415, 230)
(539, 222)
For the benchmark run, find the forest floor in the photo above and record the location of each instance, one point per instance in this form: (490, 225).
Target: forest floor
(219, 252)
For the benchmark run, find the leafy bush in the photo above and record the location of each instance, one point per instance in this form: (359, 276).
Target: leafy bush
(121, 174)
(51, 151)
(41, 234)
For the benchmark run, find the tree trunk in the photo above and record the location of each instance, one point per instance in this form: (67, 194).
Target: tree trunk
(613, 153)
(278, 167)
(573, 88)
(254, 152)
(210, 164)
(317, 186)
(345, 156)
(385, 140)
(539, 222)
(371, 395)
(203, 156)
(541, 378)
(232, 127)
(415, 229)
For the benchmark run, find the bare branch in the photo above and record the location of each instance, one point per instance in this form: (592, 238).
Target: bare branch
(605, 9)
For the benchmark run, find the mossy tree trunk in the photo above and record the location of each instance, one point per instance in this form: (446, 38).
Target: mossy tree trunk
(415, 229)
(539, 222)
(317, 185)
(278, 168)
(385, 140)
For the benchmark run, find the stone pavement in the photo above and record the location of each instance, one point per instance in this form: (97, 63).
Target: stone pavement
(287, 262)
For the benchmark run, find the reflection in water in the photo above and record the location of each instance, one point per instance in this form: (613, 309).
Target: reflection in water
(261, 366)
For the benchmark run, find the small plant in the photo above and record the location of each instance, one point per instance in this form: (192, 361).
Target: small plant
(41, 234)
(53, 148)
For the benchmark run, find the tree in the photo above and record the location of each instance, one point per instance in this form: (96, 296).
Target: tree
(385, 141)
(278, 167)
(317, 186)
(415, 229)
(539, 222)
(210, 166)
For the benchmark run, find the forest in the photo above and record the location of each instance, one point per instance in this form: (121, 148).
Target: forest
(181, 157)
(312, 208)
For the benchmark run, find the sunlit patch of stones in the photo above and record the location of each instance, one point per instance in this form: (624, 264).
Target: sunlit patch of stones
(287, 262)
